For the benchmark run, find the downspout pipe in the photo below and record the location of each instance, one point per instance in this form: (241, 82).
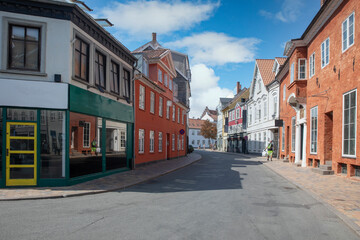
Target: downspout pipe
(134, 113)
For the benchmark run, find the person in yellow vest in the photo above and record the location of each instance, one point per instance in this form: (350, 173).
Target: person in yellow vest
(270, 150)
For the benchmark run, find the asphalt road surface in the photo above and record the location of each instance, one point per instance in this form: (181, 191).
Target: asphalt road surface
(223, 196)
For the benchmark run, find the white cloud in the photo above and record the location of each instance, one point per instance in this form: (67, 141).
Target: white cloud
(290, 11)
(205, 90)
(142, 17)
(217, 48)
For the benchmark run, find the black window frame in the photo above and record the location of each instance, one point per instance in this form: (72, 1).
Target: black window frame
(127, 85)
(10, 40)
(98, 66)
(115, 77)
(86, 79)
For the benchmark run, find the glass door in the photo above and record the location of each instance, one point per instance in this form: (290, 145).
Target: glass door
(20, 154)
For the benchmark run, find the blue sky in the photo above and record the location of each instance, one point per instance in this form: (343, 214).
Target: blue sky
(222, 38)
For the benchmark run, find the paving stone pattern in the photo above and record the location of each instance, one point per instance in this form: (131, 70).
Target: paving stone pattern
(109, 183)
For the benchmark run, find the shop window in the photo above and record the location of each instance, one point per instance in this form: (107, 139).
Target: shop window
(349, 124)
(293, 131)
(24, 48)
(115, 153)
(52, 151)
(25, 114)
(1, 143)
(85, 144)
(356, 169)
(313, 129)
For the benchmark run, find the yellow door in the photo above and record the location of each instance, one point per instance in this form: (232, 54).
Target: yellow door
(20, 154)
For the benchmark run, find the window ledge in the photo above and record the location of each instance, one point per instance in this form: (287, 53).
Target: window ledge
(29, 73)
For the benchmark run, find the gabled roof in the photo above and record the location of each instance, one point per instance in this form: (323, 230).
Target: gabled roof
(281, 60)
(265, 67)
(224, 101)
(196, 123)
(212, 113)
(244, 93)
(151, 54)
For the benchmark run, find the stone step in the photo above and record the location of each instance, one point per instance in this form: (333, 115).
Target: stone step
(285, 160)
(322, 171)
(326, 167)
(328, 162)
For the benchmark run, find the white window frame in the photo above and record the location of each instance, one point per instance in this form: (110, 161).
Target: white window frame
(141, 97)
(173, 142)
(123, 139)
(173, 113)
(325, 53)
(167, 110)
(159, 75)
(347, 35)
(160, 142)
(152, 102)
(265, 109)
(317, 129)
(170, 84)
(292, 73)
(141, 140)
(182, 142)
(151, 137)
(299, 68)
(237, 113)
(178, 142)
(178, 115)
(293, 134)
(89, 137)
(283, 139)
(312, 65)
(343, 121)
(166, 80)
(284, 92)
(161, 103)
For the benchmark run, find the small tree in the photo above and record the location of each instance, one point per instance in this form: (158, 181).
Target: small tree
(208, 130)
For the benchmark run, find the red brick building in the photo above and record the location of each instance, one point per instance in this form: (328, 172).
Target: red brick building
(160, 119)
(319, 90)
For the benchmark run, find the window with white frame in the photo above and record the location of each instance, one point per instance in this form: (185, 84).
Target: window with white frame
(182, 142)
(302, 69)
(142, 97)
(178, 142)
(122, 139)
(170, 84)
(166, 80)
(141, 140)
(173, 113)
(160, 106)
(173, 142)
(160, 142)
(86, 135)
(348, 32)
(284, 92)
(237, 113)
(160, 75)
(183, 116)
(325, 52)
(293, 132)
(178, 115)
(250, 116)
(283, 139)
(292, 73)
(168, 109)
(312, 65)
(275, 106)
(265, 109)
(349, 124)
(151, 141)
(152, 102)
(313, 129)
(259, 112)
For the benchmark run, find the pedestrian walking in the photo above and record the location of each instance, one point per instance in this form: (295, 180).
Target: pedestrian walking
(270, 150)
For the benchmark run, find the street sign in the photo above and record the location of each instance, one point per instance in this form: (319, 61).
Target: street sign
(182, 131)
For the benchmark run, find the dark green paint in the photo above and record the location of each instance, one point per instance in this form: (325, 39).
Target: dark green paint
(3, 167)
(129, 144)
(103, 145)
(83, 101)
(38, 146)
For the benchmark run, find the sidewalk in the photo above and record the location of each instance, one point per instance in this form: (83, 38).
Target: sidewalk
(110, 183)
(338, 193)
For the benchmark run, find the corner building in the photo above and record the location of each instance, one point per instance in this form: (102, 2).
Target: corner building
(324, 68)
(66, 112)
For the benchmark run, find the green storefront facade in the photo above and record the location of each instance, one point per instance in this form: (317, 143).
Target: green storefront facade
(92, 138)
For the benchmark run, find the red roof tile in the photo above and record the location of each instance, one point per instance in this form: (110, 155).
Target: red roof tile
(265, 68)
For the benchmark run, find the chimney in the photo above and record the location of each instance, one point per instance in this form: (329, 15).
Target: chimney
(154, 37)
(238, 87)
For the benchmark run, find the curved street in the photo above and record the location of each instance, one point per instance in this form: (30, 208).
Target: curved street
(223, 196)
